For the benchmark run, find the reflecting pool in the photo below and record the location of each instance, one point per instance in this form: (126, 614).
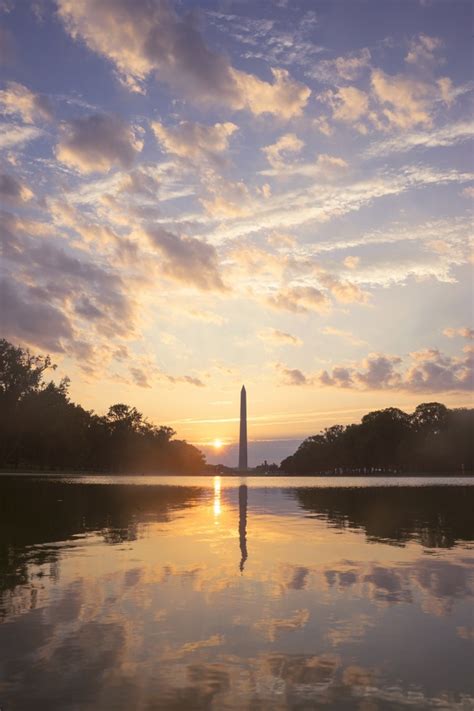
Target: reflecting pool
(235, 593)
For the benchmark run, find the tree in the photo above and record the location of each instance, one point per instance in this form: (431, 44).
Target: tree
(382, 433)
(21, 376)
(432, 439)
(430, 417)
(266, 468)
(41, 428)
(20, 373)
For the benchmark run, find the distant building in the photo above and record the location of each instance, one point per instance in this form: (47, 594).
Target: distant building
(243, 459)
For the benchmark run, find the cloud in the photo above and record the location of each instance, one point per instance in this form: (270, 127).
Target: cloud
(349, 67)
(406, 102)
(321, 123)
(351, 262)
(98, 143)
(13, 191)
(291, 376)
(320, 201)
(344, 335)
(206, 218)
(343, 290)
(432, 249)
(12, 135)
(139, 182)
(230, 199)
(340, 377)
(144, 377)
(150, 37)
(422, 50)
(254, 260)
(427, 371)
(281, 240)
(394, 101)
(449, 135)
(65, 215)
(469, 192)
(375, 372)
(378, 372)
(140, 377)
(263, 39)
(279, 338)
(206, 316)
(187, 259)
(26, 319)
(284, 97)
(348, 103)
(145, 373)
(194, 140)
(265, 191)
(434, 372)
(17, 100)
(299, 299)
(187, 379)
(140, 37)
(325, 166)
(277, 153)
(88, 294)
(464, 332)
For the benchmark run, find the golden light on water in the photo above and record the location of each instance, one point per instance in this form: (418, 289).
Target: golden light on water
(217, 497)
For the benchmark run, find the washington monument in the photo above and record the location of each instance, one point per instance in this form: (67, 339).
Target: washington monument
(243, 463)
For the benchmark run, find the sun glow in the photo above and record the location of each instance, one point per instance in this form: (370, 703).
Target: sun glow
(217, 444)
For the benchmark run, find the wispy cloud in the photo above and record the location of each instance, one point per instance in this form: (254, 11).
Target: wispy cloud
(448, 135)
(275, 337)
(344, 335)
(13, 135)
(18, 101)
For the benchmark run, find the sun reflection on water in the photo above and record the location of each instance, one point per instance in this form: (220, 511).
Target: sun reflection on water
(217, 498)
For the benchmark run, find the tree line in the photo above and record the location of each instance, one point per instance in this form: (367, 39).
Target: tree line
(42, 429)
(431, 439)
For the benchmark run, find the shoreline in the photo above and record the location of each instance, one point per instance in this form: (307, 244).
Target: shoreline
(240, 474)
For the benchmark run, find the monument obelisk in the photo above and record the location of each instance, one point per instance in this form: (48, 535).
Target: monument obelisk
(243, 430)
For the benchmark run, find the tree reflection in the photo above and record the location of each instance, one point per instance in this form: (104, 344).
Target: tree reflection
(436, 516)
(35, 512)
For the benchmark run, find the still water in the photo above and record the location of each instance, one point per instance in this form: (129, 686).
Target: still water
(225, 593)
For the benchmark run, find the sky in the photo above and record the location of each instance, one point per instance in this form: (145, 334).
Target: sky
(200, 195)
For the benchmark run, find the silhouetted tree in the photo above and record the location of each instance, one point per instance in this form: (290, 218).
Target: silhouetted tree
(266, 468)
(42, 429)
(20, 372)
(432, 439)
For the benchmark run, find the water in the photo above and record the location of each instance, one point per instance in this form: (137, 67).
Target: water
(199, 593)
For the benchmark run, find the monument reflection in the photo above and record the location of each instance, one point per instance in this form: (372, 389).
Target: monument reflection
(243, 494)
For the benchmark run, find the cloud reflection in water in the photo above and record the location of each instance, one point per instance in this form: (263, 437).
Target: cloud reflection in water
(116, 596)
